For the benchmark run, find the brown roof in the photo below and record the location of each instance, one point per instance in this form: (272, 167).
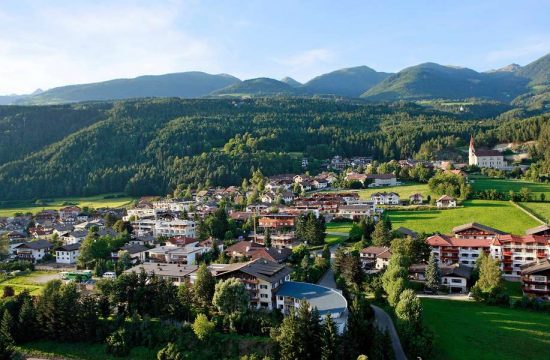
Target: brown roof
(380, 176)
(241, 247)
(479, 227)
(535, 267)
(446, 240)
(535, 230)
(488, 153)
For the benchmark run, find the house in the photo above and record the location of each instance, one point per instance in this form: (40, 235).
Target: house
(242, 249)
(542, 230)
(485, 158)
(446, 201)
(465, 245)
(385, 198)
(69, 213)
(382, 180)
(535, 279)
(262, 278)
(355, 212)
(376, 257)
(352, 177)
(269, 197)
(416, 199)
(513, 251)
(287, 196)
(278, 221)
(33, 250)
(325, 300)
(176, 273)
(456, 277)
(168, 227)
(457, 172)
(279, 240)
(138, 253)
(67, 254)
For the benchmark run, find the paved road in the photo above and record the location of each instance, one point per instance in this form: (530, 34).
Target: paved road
(460, 297)
(384, 322)
(328, 279)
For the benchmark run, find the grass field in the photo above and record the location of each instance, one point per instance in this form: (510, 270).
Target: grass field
(92, 201)
(498, 214)
(343, 227)
(469, 330)
(33, 282)
(404, 190)
(505, 185)
(334, 239)
(80, 351)
(541, 210)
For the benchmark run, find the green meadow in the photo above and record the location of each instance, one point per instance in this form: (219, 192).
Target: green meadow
(469, 330)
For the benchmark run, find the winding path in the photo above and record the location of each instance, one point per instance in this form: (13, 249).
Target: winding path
(384, 322)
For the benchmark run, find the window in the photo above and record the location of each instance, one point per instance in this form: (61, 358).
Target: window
(263, 296)
(456, 281)
(263, 286)
(280, 298)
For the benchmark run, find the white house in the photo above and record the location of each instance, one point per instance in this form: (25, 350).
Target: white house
(456, 277)
(385, 198)
(382, 180)
(377, 257)
(67, 254)
(356, 211)
(416, 199)
(33, 250)
(485, 158)
(446, 201)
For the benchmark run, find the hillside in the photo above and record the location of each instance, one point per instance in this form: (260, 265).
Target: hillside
(434, 81)
(538, 71)
(350, 82)
(25, 129)
(187, 85)
(150, 146)
(257, 87)
(292, 82)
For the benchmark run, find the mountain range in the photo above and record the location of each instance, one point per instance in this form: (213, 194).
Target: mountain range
(426, 81)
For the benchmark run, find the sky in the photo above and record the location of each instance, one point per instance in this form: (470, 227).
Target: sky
(44, 44)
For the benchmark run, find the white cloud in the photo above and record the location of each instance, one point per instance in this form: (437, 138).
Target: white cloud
(75, 44)
(308, 58)
(523, 52)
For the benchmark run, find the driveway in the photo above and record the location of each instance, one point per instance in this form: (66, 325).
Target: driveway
(460, 297)
(328, 279)
(384, 322)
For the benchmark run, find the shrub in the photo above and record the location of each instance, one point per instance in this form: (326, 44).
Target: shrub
(202, 327)
(117, 343)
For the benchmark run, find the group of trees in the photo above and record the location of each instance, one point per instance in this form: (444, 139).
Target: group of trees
(310, 228)
(307, 268)
(415, 337)
(450, 184)
(198, 143)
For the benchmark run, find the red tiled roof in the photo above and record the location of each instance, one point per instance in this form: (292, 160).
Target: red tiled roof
(446, 240)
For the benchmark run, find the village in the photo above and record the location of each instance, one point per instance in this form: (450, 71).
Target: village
(282, 237)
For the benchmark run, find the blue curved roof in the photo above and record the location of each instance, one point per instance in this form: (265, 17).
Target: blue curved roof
(325, 299)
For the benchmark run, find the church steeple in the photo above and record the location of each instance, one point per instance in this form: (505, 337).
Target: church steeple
(472, 152)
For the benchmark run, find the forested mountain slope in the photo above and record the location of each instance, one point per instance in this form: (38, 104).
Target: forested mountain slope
(150, 146)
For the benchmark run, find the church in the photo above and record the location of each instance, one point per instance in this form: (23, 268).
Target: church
(486, 158)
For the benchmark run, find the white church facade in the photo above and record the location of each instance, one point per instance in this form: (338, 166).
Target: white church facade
(486, 158)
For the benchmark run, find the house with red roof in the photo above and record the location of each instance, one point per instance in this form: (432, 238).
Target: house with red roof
(513, 251)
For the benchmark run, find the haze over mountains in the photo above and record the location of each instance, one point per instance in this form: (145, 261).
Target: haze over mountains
(420, 82)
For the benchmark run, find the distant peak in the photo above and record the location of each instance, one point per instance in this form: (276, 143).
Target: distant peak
(290, 81)
(507, 68)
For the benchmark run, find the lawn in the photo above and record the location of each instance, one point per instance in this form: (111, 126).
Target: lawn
(33, 282)
(80, 351)
(505, 185)
(501, 215)
(469, 330)
(334, 239)
(340, 227)
(10, 208)
(541, 210)
(404, 190)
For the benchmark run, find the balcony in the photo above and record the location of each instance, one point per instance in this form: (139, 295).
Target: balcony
(507, 253)
(528, 280)
(535, 291)
(541, 255)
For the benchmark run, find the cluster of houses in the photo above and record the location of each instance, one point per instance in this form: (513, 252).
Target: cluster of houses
(521, 257)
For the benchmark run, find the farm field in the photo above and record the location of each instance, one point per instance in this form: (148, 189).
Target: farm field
(96, 201)
(505, 185)
(542, 210)
(498, 214)
(33, 282)
(469, 330)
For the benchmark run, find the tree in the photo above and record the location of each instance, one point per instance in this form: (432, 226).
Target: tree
(231, 298)
(489, 283)
(8, 291)
(326, 252)
(124, 259)
(381, 234)
(123, 226)
(6, 339)
(329, 340)
(267, 238)
(433, 276)
(203, 288)
(27, 323)
(288, 338)
(358, 335)
(202, 327)
(170, 352)
(409, 309)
